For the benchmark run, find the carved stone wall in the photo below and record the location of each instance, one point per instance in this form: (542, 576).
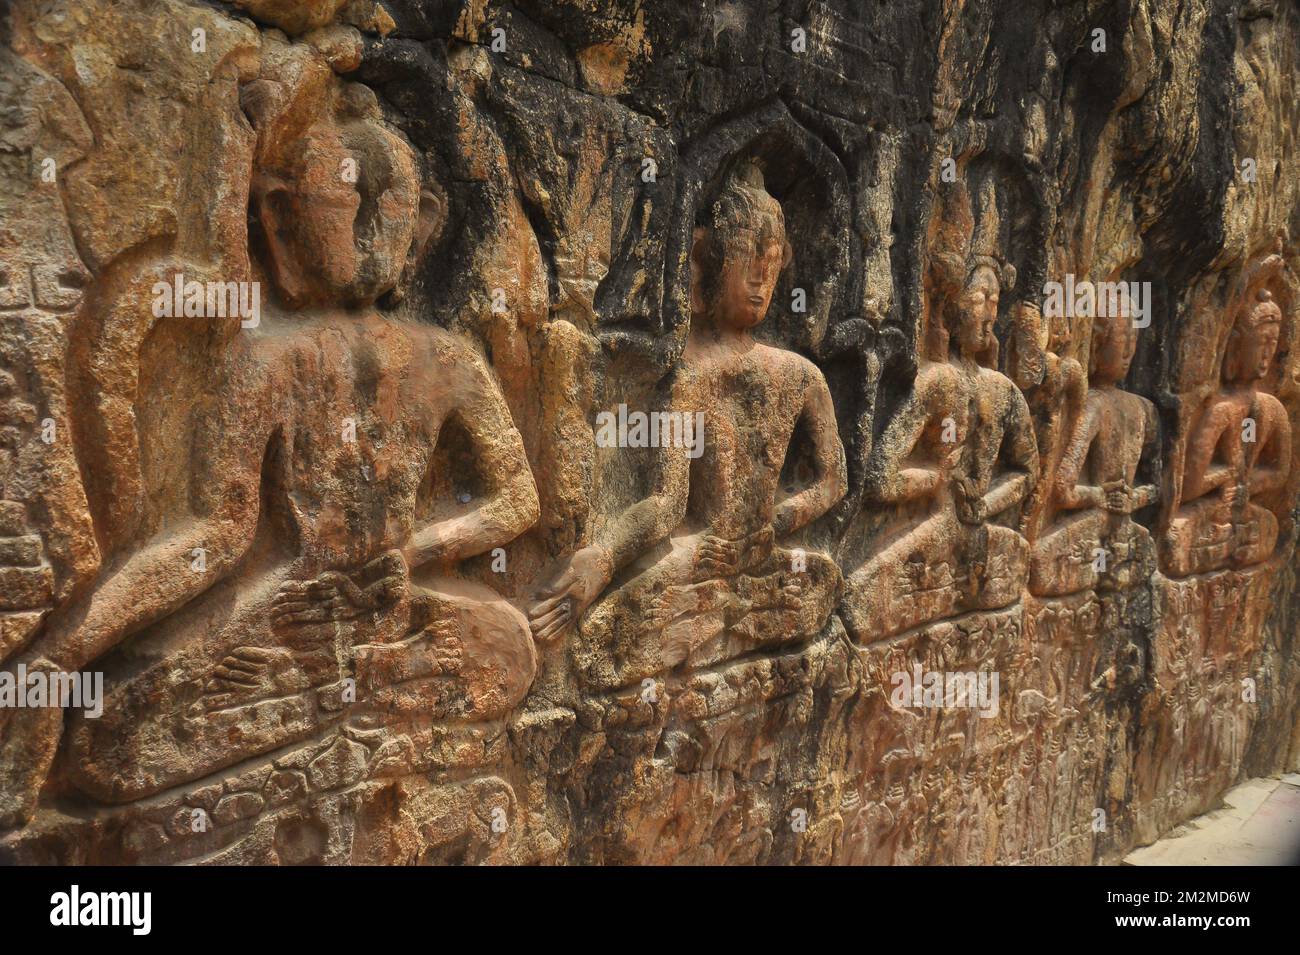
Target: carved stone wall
(584, 431)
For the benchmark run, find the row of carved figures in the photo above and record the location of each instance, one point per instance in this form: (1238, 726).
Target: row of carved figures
(353, 612)
(999, 498)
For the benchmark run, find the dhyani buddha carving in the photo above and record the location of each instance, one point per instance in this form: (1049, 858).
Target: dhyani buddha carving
(720, 584)
(1055, 387)
(959, 454)
(1095, 488)
(1239, 449)
(308, 583)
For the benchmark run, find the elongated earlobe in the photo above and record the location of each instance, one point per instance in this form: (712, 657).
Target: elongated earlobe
(273, 214)
(430, 221)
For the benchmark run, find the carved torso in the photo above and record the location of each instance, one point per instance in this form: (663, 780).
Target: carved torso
(752, 400)
(1223, 425)
(352, 409)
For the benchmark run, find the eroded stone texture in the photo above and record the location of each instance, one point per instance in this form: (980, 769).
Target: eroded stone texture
(622, 411)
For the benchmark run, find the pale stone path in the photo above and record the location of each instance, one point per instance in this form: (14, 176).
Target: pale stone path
(1258, 824)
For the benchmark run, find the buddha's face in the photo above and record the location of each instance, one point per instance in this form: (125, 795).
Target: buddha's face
(751, 265)
(386, 222)
(977, 310)
(1114, 348)
(349, 217)
(323, 210)
(1256, 342)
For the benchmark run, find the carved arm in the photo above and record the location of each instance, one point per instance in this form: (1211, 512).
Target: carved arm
(508, 509)
(828, 461)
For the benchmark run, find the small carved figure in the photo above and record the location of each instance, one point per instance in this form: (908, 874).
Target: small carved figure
(1088, 533)
(959, 454)
(1239, 449)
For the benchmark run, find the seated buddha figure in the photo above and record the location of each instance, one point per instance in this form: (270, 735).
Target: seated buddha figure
(1095, 488)
(1055, 386)
(310, 582)
(959, 454)
(1238, 449)
(704, 574)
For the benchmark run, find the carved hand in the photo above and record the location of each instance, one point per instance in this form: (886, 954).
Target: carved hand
(674, 602)
(1118, 497)
(971, 508)
(919, 482)
(334, 595)
(562, 601)
(1219, 475)
(1232, 493)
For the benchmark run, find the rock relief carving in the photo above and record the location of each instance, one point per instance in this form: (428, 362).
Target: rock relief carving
(705, 575)
(1087, 534)
(957, 457)
(313, 583)
(1238, 450)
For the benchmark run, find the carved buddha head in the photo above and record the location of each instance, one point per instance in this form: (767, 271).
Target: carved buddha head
(1253, 342)
(336, 193)
(1114, 341)
(973, 312)
(977, 308)
(739, 254)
